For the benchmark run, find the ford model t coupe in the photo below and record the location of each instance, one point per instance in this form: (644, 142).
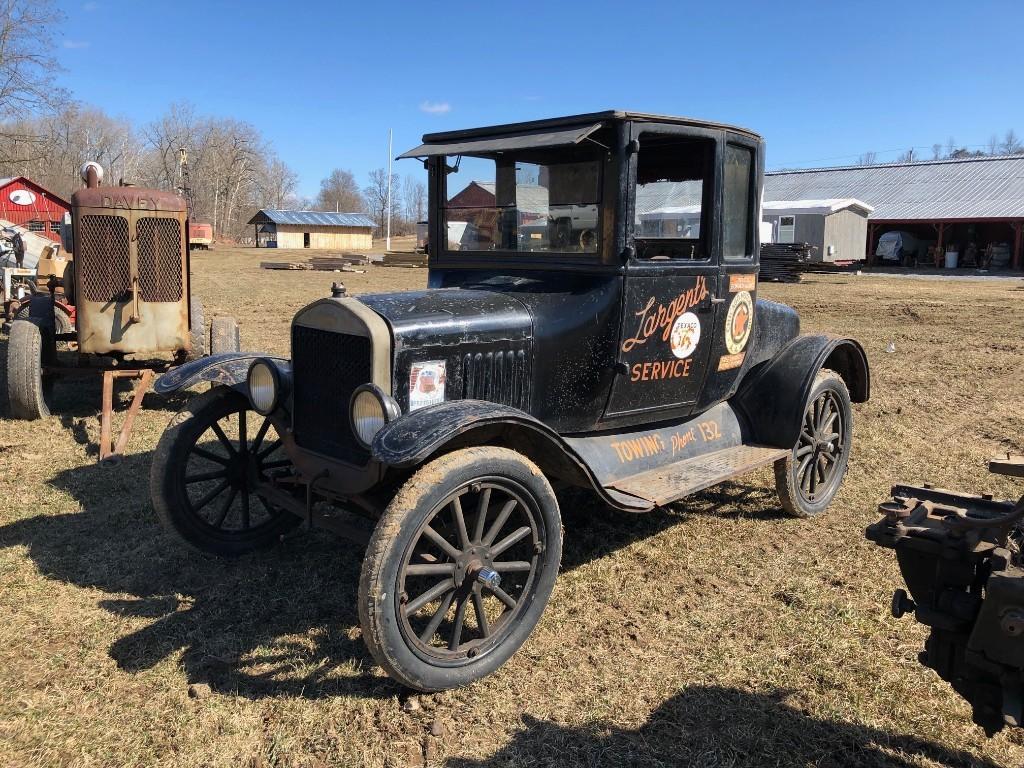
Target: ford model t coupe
(592, 323)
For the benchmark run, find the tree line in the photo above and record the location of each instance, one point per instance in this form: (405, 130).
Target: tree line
(230, 169)
(1009, 144)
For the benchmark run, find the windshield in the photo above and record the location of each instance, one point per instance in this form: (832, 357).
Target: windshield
(523, 204)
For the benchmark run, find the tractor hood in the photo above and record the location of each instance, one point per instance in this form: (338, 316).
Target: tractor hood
(478, 342)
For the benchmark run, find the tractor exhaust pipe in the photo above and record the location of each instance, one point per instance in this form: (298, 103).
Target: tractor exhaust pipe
(92, 174)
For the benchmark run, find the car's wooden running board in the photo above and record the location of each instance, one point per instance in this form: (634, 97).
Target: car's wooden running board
(674, 481)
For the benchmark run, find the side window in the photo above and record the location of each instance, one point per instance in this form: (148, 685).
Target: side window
(787, 229)
(736, 236)
(672, 179)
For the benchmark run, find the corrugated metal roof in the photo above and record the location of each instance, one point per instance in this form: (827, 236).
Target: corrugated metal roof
(314, 218)
(831, 205)
(974, 188)
(660, 195)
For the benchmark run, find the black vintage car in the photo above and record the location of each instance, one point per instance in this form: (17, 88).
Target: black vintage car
(639, 365)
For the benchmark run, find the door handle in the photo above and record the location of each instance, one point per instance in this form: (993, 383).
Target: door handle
(717, 300)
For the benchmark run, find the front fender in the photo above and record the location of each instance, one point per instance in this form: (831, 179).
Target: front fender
(413, 438)
(229, 369)
(774, 396)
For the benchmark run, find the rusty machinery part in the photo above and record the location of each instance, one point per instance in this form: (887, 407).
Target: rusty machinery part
(459, 568)
(960, 556)
(206, 473)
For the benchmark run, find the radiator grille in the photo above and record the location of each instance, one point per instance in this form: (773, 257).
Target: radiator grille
(160, 264)
(326, 368)
(498, 377)
(103, 261)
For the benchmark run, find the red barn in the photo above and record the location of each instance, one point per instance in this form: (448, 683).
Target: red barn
(25, 203)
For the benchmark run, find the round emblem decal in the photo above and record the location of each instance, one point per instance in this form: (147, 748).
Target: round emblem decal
(22, 197)
(738, 322)
(685, 335)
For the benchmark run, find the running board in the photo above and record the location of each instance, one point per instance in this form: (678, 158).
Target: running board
(672, 482)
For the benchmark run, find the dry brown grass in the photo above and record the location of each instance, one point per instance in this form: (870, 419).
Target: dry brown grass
(715, 633)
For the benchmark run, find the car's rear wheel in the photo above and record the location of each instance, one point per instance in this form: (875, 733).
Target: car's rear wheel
(205, 475)
(460, 568)
(808, 479)
(29, 388)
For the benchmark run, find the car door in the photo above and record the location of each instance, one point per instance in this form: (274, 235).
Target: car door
(737, 284)
(672, 275)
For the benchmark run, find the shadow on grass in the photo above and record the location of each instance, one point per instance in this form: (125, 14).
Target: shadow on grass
(716, 726)
(282, 622)
(275, 623)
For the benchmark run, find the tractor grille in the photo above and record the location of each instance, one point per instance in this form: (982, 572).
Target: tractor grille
(103, 260)
(160, 266)
(326, 369)
(498, 377)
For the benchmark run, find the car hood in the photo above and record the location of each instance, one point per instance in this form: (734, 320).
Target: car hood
(442, 317)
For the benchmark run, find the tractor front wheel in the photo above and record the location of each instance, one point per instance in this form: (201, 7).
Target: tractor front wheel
(29, 390)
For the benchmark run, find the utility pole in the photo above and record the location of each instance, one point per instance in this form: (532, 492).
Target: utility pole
(387, 242)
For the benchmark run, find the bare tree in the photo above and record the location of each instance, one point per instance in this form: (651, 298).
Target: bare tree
(277, 183)
(868, 158)
(950, 146)
(27, 68)
(376, 195)
(936, 151)
(340, 192)
(910, 156)
(993, 145)
(414, 200)
(1011, 144)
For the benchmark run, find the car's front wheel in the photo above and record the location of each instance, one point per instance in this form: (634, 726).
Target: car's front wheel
(808, 479)
(207, 467)
(459, 568)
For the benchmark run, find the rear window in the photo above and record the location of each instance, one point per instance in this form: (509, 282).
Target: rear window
(737, 241)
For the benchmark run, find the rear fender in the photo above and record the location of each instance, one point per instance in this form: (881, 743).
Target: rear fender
(229, 369)
(773, 396)
(414, 438)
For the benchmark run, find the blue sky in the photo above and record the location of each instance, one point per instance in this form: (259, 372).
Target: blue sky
(822, 81)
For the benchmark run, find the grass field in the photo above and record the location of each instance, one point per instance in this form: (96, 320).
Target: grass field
(716, 632)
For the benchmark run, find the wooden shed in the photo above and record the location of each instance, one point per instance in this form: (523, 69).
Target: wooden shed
(312, 229)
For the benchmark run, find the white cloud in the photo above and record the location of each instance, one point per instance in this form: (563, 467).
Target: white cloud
(435, 107)
(90, 6)
(76, 43)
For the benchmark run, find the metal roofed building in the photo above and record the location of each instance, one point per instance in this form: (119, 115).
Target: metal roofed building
(952, 202)
(312, 229)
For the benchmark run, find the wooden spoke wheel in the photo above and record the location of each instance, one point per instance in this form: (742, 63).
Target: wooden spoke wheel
(809, 478)
(460, 568)
(206, 471)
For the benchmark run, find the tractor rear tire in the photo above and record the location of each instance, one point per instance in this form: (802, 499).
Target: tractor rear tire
(224, 335)
(27, 389)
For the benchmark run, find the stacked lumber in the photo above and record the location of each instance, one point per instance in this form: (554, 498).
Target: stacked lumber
(783, 262)
(327, 263)
(404, 259)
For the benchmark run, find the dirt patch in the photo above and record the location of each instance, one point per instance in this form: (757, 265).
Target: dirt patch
(715, 632)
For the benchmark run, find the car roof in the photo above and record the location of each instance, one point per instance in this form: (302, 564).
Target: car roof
(589, 117)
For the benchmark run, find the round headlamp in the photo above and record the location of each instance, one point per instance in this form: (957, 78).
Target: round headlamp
(264, 382)
(370, 409)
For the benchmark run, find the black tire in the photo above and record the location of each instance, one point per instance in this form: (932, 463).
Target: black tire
(224, 335)
(197, 330)
(399, 559)
(808, 479)
(28, 390)
(185, 477)
(61, 324)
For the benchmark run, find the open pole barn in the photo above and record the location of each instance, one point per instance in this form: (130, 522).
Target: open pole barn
(969, 205)
(321, 230)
